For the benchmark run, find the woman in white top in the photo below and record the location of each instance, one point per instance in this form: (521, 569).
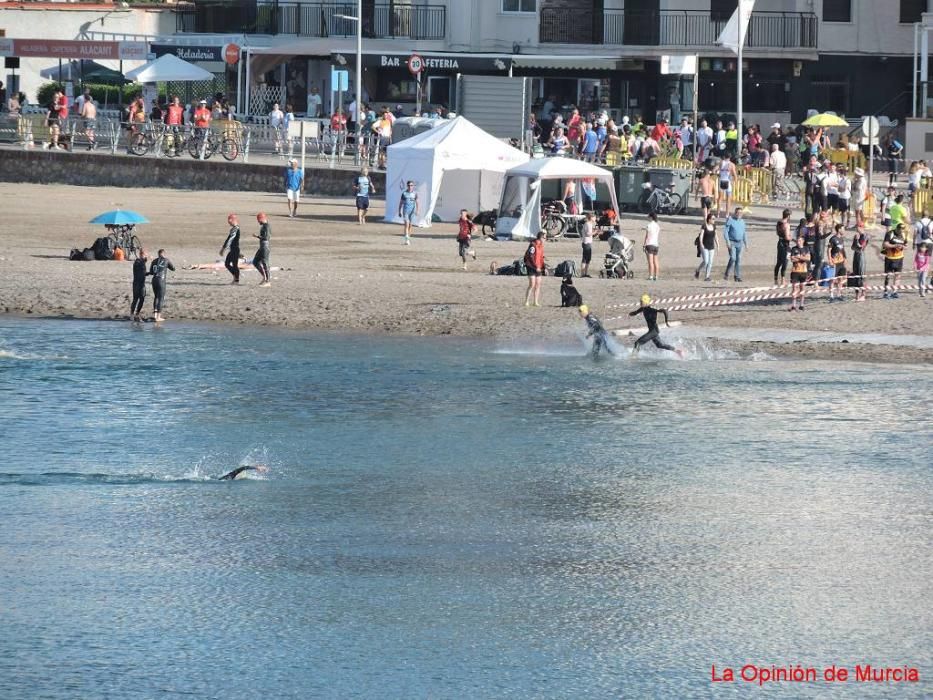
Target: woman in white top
(586, 239)
(844, 195)
(652, 244)
(727, 175)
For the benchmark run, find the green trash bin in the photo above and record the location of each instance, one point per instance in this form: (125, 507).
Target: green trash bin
(629, 182)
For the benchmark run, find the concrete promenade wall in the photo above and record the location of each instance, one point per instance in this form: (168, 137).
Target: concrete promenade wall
(184, 173)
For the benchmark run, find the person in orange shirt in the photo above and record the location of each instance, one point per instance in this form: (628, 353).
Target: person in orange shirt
(338, 122)
(174, 121)
(661, 131)
(534, 264)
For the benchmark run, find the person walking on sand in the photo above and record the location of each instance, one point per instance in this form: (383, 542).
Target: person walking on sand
(652, 245)
(465, 237)
(159, 271)
(799, 272)
(139, 284)
(232, 261)
(534, 264)
(727, 176)
(294, 181)
(261, 259)
(363, 186)
(654, 334)
(737, 242)
(706, 193)
(408, 209)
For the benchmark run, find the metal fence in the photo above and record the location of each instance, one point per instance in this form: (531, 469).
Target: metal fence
(686, 28)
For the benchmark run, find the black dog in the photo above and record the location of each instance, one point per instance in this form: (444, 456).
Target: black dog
(569, 296)
(486, 219)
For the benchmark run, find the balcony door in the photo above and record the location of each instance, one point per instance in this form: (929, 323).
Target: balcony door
(642, 22)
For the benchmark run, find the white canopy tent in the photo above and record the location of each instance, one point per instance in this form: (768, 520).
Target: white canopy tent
(525, 185)
(454, 166)
(168, 68)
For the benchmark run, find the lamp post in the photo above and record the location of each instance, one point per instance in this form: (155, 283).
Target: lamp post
(359, 74)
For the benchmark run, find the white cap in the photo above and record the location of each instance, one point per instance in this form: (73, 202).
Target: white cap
(776, 125)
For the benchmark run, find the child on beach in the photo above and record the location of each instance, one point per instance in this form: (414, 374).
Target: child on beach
(465, 237)
(922, 265)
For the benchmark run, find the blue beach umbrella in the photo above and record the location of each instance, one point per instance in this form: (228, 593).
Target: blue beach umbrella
(120, 216)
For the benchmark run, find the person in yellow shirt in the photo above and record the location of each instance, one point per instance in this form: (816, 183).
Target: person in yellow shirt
(895, 241)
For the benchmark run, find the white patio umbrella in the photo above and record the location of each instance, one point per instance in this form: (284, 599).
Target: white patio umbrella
(168, 68)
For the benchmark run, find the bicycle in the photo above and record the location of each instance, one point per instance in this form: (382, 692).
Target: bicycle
(142, 141)
(123, 237)
(553, 222)
(227, 146)
(659, 201)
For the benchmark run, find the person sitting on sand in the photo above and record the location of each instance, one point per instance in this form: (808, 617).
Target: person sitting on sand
(240, 472)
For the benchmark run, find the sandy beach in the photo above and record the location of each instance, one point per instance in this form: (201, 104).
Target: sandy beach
(337, 275)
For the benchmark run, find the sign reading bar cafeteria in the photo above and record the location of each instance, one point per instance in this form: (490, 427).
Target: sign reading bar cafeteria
(52, 48)
(189, 53)
(431, 62)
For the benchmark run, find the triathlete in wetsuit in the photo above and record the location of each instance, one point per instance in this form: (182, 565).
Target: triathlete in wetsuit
(232, 261)
(139, 284)
(159, 271)
(230, 476)
(596, 331)
(261, 259)
(651, 318)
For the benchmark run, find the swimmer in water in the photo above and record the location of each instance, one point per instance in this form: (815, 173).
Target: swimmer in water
(239, 472)
(651, 318)
(596, 331)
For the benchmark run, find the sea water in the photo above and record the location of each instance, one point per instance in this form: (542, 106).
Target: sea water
(450, 518)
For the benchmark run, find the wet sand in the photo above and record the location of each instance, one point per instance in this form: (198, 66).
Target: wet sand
(337, 275)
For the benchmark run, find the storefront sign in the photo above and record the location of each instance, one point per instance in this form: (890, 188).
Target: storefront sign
(430, 63)
(189, 53)
(133, 51)
(48, 48)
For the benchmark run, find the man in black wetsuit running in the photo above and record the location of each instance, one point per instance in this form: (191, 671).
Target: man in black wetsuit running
(232, 261)
(237, 473)
(651, 318)
(159, 271)
(596, 331)
(139, 284)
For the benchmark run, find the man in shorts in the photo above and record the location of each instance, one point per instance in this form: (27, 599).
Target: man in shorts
(363, 186)
(534, 264)
(294, 179)
(892, 248)
(465, 237)
(408, 209)
(89, 115)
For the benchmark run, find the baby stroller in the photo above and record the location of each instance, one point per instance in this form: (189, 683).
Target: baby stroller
(619, 259)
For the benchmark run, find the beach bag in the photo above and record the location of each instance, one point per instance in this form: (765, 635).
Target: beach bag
(103, 248)
(567, 268)
(520, 268)
(827, 272)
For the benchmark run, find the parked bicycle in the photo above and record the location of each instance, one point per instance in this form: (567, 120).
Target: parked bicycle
(553, 221)
(228, 147)
(659, 201)
(125, 238)
(142, 139)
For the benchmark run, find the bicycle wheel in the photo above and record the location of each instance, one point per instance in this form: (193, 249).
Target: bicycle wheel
(229, 149)
(554, 227)
(672, 203)
(139, 146)
(194, 147)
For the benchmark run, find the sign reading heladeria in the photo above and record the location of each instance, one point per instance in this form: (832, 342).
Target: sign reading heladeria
(189, 53)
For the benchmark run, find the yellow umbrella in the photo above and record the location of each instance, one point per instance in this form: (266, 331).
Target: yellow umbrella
(825, 120)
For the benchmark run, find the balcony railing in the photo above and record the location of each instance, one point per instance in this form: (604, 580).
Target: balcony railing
(686, 28)
(386, 21)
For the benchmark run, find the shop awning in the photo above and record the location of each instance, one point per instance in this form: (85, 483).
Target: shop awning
(577, 62)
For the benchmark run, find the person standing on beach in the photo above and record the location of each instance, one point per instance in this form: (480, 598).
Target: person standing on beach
(232, 261)
(159, 271)
(651, 318)
(892, 248)
(465, 236)
(736, 241)
(534, 264)
(706, 193)
(408, 209)
(799, 271)
(261, 259)
(857, 278)
(652, 245)
(708, 246)
(922, 264)
(294, 181)
(784, 241)
(139, 284)
(586, 240)
(837, 256)
(363, 186)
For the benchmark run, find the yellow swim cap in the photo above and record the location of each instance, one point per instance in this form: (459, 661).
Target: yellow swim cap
(645, 300)
(584, 309)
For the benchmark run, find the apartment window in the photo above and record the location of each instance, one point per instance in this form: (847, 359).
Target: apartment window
(911, 10)
(837, 10)
(519, 5)
(721, 10)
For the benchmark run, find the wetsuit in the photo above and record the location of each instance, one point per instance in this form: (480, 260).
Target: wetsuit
(261, 259)
(230, 476)
(139, 286)
(598, 333)
(232, 261)
(651, 318)
(159, 271)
